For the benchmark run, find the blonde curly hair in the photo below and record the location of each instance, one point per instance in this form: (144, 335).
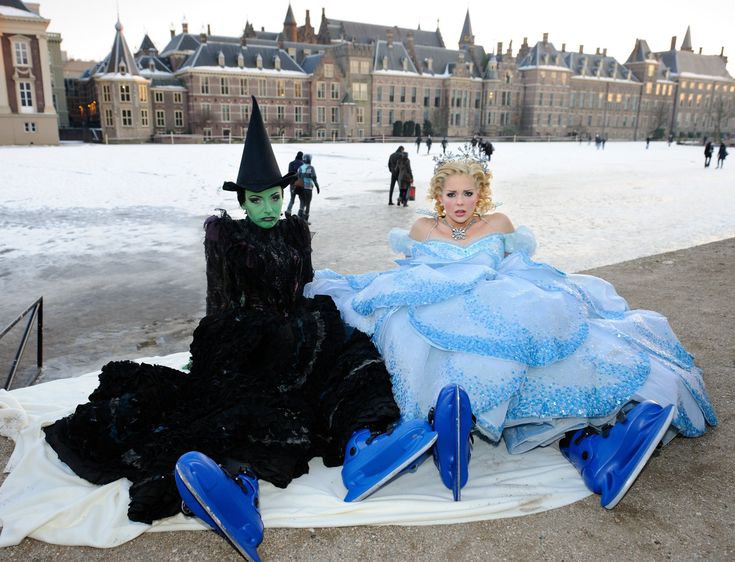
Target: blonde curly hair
(467, 167)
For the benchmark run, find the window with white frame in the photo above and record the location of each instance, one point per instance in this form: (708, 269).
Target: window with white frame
(360, 118)
(264, 113)
(207, 133)
(158, 97)
(25, 91)
(334, 90)
(243, 86)
(127, 117)
(280, 113)
(225, 112)
(321, 134)
(321, 114)
(29, 127)
(143, 92)
(298, 114)
(106, 94)
(224, 86)
(328, 70)
(360, 91)
(21, 53)
(178, 98)
(298, 89)
(335, 115)
(178, 119)
(204, 85)
(124, 92)
(160, 118)
(144, 117)
(262, 86)
(281, 88)
(321, 90)
(364, 67)
(109, 121)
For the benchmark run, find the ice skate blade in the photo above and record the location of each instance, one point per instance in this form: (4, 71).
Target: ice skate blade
(248, 552)
(643, 461)
(372, 476)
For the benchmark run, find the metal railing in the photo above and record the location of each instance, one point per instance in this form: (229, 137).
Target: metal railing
(36, 312)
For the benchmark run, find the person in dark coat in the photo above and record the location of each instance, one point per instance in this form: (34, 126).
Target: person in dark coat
(721, 155)
(444, 145)
(429, 142)
(393, 167)
(418, 144)
(488, 149)
(708, 150)
(293, 167)
(405, 177)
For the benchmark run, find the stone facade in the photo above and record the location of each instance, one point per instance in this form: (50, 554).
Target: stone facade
(27, 114)
(353, 81)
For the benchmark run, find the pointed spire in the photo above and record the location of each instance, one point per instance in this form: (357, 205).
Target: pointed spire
(121, 59)
(466, 37)
(686, 45)
(290, 19)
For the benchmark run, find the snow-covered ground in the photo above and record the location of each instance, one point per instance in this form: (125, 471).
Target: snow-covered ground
(588, 207)
(111, 235)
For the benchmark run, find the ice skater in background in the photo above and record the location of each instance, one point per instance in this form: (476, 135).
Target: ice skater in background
(721, 155)
(537, 355)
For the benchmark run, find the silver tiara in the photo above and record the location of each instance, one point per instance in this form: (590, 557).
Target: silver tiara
(464, 152)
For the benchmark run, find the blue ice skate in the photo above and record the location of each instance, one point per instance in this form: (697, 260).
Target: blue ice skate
(452, 420)
(610, 460)
(371, 461)
(228, 505)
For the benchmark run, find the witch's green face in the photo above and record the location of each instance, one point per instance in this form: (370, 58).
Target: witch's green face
(264, 207)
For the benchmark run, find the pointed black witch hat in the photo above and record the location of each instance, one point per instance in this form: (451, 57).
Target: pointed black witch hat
(258, 167)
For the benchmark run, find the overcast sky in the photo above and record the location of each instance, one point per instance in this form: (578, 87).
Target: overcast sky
(88, 26)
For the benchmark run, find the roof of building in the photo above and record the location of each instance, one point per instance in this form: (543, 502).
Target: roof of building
(208, 55)
(367, 33)
(392, 57)
(686, 62)
(120, 55)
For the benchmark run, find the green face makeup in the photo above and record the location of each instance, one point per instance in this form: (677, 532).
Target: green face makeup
(264, 207)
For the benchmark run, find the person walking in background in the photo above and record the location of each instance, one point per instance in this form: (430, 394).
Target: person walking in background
(721, 155)
(429, 142)
(708, 150)
(418, 144)
(307, 174)
(488, 149)
(444, 145)
(393, 167)
(293, 167)
(405, 177)
(648, 141)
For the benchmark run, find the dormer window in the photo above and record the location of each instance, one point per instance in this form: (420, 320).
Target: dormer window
(259, 61)
(385, 63)
(240, 60)
(460, 56)
(151, 66)
(221, 58)
(277, 62)
(470, 66)
(508, 78)
(404, 62)
(430, 64)
(122, 68)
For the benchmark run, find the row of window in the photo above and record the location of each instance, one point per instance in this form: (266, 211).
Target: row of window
(126, 118)
(124, 91)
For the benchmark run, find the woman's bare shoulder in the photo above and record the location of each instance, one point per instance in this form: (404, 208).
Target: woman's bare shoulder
(499, 222)
(421, 228)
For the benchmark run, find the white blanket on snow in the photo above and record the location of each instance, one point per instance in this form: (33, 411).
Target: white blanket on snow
(43, 499)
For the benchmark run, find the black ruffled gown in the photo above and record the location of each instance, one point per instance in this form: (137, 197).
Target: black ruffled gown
(274, 380)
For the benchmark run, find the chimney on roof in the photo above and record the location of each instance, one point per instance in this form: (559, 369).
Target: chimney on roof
(389, 38)
(546, 38)
(563, 47)
(173, 31)
(700, 50)
(722, 51)
(409, 41)
(209, 30)
(597, 51)
(604, 52)
(202, 36)
(581, 49)
(673, 43)
(500, 48)
(184, 27)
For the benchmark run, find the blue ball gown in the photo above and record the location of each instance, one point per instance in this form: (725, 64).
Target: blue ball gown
(540, 352)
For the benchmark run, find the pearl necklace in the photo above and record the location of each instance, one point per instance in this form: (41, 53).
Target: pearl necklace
(459, 233)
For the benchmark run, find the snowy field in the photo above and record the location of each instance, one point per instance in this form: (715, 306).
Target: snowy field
(111, 235)
(587, 207)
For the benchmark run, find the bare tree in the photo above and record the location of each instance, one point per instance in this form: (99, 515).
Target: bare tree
(722, 111)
